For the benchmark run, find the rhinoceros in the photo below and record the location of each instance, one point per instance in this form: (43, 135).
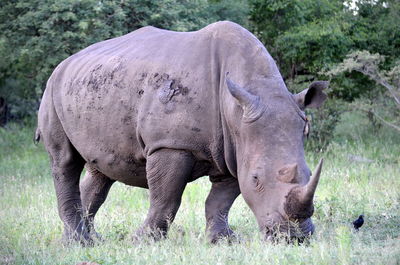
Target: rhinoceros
(158, 109)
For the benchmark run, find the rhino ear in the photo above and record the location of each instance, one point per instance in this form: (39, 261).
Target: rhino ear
(313, 97)
(251, 104)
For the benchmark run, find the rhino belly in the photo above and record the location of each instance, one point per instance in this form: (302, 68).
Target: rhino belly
(111, 149)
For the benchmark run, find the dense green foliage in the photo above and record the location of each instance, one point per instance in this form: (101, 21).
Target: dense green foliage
(302, 35)
(360, 176)
(306, 36)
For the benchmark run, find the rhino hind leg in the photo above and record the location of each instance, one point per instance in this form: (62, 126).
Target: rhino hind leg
(94, 189)
(167, 172)
(66, 167)
(223, 193)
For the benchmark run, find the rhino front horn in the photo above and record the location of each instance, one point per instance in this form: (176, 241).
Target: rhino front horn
(309, 189)
(251, 104)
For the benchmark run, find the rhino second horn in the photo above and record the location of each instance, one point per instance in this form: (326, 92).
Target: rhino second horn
(251, 104)
(308, 190)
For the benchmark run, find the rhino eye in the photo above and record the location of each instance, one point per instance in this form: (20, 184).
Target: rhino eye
(255, 179)
(258, 186)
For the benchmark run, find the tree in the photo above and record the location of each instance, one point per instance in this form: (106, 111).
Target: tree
(302, 35)
(388, 113)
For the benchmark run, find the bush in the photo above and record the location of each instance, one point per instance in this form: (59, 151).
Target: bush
(382, 104)
(323, 124)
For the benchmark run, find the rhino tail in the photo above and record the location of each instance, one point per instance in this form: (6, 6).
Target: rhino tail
(36, 138)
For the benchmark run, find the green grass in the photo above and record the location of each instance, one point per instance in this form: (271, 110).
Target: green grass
(30, 228)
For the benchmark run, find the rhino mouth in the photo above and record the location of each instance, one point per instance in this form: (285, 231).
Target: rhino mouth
(289, 231)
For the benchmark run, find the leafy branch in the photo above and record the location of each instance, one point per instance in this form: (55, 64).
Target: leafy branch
(369, 65)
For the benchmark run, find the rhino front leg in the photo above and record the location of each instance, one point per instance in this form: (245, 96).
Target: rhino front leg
(167, 174)
(223, 193)
(94, 190)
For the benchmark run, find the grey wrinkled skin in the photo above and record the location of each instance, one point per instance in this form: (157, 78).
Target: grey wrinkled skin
(156, 109)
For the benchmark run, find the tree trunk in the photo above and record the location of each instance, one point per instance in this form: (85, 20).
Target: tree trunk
(3, 112)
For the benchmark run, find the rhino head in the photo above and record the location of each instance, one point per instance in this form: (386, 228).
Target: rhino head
(268, 130)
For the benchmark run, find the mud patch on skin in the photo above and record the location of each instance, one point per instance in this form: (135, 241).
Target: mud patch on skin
(92, 87)
(170, 89)
(166, 92)
(110, 74)
(157, 80)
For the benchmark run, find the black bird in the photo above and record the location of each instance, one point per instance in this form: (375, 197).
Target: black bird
(359, 222)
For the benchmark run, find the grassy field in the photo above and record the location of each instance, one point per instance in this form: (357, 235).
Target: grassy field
(30, 228)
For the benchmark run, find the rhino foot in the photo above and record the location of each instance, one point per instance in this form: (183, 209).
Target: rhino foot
(86, 238)
(71, 238)
(96, 237)
(226, 234)
(146, 235)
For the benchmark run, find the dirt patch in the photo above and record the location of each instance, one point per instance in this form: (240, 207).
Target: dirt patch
(168, 87)
(110, 74)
